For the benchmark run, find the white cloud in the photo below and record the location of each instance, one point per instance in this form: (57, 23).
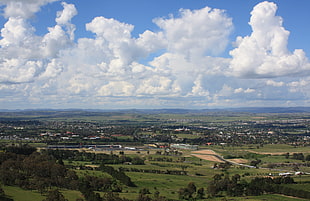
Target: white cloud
(300, 86)
(264, 53)
(64, 18)
(117, 88)
(23, 8)
(241, 90)
(156, 85)
(198, 89)
(19, 71)
(58, 70)
(24, 55)
(54, 41)
(197, 32)
(274, 83)
(16, 32)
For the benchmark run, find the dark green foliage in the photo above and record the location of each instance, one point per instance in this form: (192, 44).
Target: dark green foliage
(189, 193)
(119, 175)
(137, 161)
(98, 158)
(200, 193)
(24, 149)
(144, 191)
(257, 186)
(110, 196)
(55, 195)
(42, 172)
(255, 162)
(298, 156)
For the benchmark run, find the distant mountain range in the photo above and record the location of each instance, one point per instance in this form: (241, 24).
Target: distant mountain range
(168, 111)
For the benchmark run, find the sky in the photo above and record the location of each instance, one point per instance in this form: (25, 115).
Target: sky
(137, 54)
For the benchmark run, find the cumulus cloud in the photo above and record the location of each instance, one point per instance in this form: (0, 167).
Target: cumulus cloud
(64, 18)
(113, 67)
(241, 90)
(117, 88)
(22, 8)
(24, 55)
(274, 83)
(300, 86)
(197, 32)
(264, 53)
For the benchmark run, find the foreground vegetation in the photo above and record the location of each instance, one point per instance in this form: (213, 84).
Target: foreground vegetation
(133, 157)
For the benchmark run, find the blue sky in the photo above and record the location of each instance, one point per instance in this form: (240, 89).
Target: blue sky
(154, 54)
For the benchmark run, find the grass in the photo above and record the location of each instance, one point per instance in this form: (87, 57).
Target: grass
(18, 194)
(268, 148)
(167, 185)
(273, 197)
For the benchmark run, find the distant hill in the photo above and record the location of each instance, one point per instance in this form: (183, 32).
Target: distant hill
(90, 112)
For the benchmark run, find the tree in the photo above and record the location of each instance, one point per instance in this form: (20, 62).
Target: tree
(144, 191)
(255, 162)
(212, 189)
(187, 193)
(55, 195)
(298, 156)
(200, 193)
(287, 155)
(110, 196)
(191, 188)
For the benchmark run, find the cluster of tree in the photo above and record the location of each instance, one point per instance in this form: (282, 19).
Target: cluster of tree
(257, 186)
(255, 162)
(191, 192)
(154, 171)
(247, 155)
(88, 194)
(144, 195)
(300, 156)
(23, 149)
(98, 158)
(36, 171)
(166, 159)
(223, 166)
(102, 184)
(54, 195)
(43, 172)
(117, 174)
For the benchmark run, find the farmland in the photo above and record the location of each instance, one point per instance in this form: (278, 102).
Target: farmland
(164, 155)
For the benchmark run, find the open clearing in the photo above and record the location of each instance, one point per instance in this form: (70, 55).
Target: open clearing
(208, 157)
(239, 160)
(206, 154)
(205, 151)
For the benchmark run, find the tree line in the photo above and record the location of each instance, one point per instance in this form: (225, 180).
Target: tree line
(96, 158)
(234, 186)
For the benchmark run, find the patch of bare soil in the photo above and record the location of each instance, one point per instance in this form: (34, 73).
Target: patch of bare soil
(239, 160)
(208, 157)
(205, 151)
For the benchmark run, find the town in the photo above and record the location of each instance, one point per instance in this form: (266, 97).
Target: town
(211, 152)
